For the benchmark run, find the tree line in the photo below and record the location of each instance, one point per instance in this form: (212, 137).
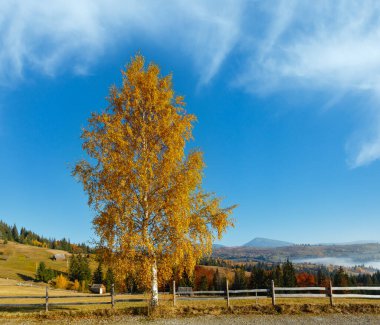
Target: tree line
(28, 237)
(79, 273)
(283, 275)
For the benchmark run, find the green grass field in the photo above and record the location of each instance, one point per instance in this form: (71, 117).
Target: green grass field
(20, 262)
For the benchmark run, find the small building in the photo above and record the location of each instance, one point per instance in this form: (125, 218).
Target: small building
(59, 257)
(98, 288)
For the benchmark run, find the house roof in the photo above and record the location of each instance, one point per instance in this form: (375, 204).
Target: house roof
(97, 286)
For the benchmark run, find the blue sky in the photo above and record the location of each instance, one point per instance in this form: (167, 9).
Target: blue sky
(287, 96)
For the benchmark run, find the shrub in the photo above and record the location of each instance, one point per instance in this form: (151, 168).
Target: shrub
(61, 282)
(76, 285)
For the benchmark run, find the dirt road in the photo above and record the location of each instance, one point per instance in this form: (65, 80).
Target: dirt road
(214, 320)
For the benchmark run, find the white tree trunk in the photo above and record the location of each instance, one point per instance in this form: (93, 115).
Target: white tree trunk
(154, 301)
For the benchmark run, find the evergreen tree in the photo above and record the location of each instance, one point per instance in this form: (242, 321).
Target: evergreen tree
(109, 280)
(217, 281)
(79, 268)
(259, 279)
(74, 268)
(278, 276)
(186, 280)
(15, 235)
(98, 274)
(340, 278)
(240, 282)
(203, 284)
(44, 274)
(85, 272)
(289, 274)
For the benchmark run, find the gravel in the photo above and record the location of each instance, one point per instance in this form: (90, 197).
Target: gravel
(215, 320)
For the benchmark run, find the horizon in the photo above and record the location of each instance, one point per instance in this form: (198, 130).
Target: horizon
(288, 121)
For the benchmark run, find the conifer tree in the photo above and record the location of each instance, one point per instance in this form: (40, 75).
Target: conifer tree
(289, 274)
(15, 234)
(240, 282)
(109, 280)
(203, 283)
(217, 281)
(98, 274)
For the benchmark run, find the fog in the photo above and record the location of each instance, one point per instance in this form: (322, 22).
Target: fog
(341, 261)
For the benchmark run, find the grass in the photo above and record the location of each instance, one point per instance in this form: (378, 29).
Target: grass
(290, 306)
(19, 262)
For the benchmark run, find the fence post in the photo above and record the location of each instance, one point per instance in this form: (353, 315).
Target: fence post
(174, 300)
(47, 299)
(228, 294)
(331, 294)
(113, 295)
(273, 294)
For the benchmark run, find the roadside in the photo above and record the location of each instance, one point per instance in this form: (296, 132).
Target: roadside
(214, 320)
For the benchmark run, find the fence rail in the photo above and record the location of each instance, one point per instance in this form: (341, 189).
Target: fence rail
(277, 292)
(206, 295)
(113, 299)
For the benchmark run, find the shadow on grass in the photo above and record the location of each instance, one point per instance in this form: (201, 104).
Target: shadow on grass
(25, 277)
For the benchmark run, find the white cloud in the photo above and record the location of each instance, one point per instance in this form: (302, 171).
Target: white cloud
(45, 36)
(332, 46)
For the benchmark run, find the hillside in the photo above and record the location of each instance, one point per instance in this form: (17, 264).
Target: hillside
(265, 242)
(359, 253)
(19, 262)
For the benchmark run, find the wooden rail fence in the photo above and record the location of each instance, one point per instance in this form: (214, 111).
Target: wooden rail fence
(113, 299)
(227, 295)
(277, 292)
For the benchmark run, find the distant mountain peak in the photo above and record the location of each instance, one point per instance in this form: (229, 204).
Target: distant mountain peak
(266, 242)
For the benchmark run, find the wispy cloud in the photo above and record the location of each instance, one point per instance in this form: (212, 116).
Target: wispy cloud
(332, 46)
(44, 36)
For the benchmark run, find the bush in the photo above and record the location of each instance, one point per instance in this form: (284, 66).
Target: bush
(76, 285)
(61, 282)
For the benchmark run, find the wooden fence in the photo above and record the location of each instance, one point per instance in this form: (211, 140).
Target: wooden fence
(254, 294)
(278, 292)
(47, 300)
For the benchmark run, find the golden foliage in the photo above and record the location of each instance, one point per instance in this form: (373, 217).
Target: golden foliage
(76, 285)
(61, 282)
(146, 192)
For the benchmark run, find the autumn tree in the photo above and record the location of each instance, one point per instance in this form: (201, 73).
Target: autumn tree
(61, 282)
(305, 279)
(151, 212)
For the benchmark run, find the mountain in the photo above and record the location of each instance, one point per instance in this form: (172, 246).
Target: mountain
(265, 242)
(358, 253)
(214, 246)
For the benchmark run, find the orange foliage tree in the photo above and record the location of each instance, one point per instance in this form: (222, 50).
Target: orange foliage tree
(151, 212)
(305, 279)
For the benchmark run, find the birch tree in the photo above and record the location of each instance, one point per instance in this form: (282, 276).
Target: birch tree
(151, 213)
